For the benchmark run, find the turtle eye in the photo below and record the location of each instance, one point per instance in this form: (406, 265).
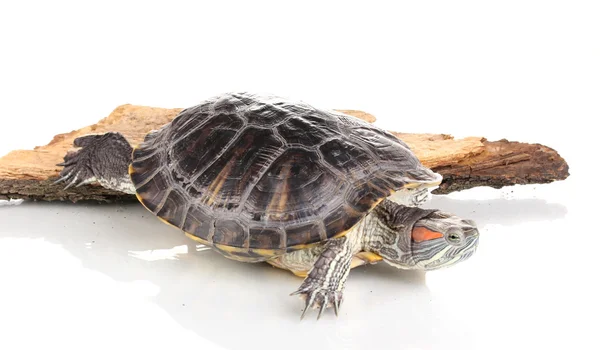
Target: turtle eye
(454, 237)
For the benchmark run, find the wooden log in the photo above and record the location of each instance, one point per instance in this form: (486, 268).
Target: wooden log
(465, 163)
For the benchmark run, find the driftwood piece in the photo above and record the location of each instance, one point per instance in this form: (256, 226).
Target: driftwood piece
(465, 163)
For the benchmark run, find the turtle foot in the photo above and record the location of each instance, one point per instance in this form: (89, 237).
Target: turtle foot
(319, 298)
(412, 197)
(101, 158)
(323, 286)
(77, 169)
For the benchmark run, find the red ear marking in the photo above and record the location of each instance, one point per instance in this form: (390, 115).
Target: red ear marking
(420, 234)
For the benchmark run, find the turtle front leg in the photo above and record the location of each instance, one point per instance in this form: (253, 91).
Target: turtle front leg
(420, 197)
(324, 284)
(412, 197)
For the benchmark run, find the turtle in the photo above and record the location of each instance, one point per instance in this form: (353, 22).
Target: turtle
(263, 178)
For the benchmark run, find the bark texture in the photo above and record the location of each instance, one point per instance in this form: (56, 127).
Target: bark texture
(465, 163)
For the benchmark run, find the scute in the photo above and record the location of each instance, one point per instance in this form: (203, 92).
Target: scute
(198, 223)
(305, 132)
(198, 145)
(230, 233)
(171, 209)
(303, 233)
(364, 196)
(230, 176)
(265, 115)
(256, 176)
(348, 157)
(266, 238)
(291, 186)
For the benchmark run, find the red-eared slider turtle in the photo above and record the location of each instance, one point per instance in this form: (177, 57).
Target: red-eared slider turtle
(262, 178)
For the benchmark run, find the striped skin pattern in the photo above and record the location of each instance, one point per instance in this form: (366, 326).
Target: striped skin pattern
(404, 237)
(452, 239)
(259, 176)
(325, 282)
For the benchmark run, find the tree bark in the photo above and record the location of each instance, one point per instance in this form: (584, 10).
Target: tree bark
(464, 163)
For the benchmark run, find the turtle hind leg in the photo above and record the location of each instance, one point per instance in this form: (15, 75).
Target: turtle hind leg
(102, 158)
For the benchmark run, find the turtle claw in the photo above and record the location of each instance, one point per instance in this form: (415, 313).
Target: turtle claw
(336, 307)
(70, 184)
(60, 179)
(76, 171)
(322, 308)
(70, 178)
(320, 299)
(306, 306)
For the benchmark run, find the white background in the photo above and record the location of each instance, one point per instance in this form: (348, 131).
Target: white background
(94, 276)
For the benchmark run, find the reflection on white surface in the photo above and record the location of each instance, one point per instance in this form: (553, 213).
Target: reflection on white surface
(77, 272)
(159, 254)
(5, 203)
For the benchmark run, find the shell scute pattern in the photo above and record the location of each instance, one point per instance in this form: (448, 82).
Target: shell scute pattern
(231, 174)
(365, 195)
(307, 232)
(299, 131)
(267, 237)
(290, 187)
(171, 210)
(257, 175)
(348, 158)
(193, 152)
(230, 232)
(265, 116)
(199, 223)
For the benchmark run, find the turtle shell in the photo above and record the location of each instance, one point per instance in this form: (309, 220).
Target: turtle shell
(257, 176)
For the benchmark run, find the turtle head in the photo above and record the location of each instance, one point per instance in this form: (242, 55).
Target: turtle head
(441, 239)
(424, 239)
